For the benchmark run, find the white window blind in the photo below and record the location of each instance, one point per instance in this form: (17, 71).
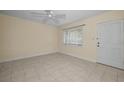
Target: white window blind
(73, 36)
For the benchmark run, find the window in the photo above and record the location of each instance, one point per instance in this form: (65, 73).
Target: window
(73, 36)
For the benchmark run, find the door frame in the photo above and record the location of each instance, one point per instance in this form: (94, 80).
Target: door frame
(122, 38)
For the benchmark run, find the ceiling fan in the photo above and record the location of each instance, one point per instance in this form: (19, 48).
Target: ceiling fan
(49, 16)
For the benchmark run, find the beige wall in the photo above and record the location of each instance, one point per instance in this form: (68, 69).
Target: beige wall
(89, 50)
(22, 38)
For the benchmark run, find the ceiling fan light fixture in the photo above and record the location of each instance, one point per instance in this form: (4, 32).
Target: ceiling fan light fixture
(51, 12)
(50, 15)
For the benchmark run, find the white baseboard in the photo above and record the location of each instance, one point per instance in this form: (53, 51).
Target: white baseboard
(17, 58)
(45, 53)
(79, 57)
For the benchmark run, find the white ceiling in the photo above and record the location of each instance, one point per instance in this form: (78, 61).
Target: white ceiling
(71, 15)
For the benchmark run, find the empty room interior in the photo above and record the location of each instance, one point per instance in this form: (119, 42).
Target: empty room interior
(61, 46)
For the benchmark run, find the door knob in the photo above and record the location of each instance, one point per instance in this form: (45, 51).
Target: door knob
(98, 43)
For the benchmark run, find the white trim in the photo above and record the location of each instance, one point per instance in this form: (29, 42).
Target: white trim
(122, 41)
(46, 53)
(122, 38)
(17, 58)
(91, 60)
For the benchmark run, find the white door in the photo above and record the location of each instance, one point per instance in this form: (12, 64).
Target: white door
(110, 43)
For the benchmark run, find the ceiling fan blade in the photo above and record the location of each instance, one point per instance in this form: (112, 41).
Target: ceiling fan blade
(36, 13)
(61, 16)
(55, 21)
(40, 16)
(47, 11)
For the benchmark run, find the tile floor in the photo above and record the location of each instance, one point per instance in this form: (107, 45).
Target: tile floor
(58, 67)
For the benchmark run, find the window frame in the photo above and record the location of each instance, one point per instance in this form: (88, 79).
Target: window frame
(68, 43)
